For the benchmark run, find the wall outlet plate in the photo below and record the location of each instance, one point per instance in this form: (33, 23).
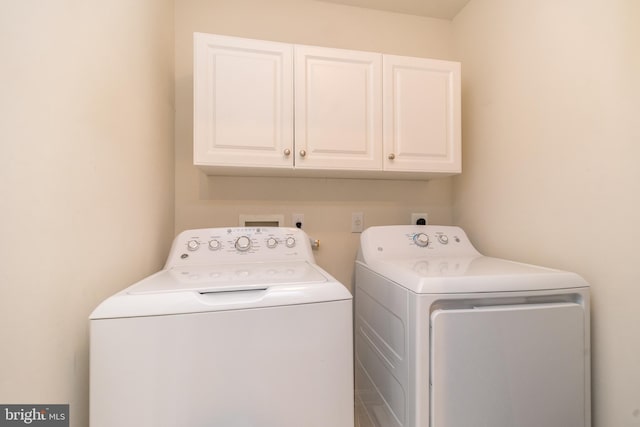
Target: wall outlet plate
(416, 217)
(357, 222)
(297, 218)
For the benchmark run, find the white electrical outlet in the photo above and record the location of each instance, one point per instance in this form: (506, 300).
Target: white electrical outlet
(415, 217)
(357, 222)
(297, 220)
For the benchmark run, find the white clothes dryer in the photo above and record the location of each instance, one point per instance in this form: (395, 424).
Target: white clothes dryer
(446, 337)
(240, 329)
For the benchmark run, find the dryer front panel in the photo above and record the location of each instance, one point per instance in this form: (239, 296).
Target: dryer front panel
(509, 365)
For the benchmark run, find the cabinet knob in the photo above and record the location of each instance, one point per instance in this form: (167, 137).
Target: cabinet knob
(303, 153)
(391, 156)
(287, 152)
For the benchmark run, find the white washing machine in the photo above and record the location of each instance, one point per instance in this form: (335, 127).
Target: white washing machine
(240, 329)
(446, 337)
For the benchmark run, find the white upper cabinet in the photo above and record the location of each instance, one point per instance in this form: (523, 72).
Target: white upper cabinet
(243, 102)
(421, 115)
(338, 109)
(266, 108)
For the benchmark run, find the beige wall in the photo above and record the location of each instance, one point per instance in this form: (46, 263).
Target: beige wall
(551, 103)
(326, 204)
(86, 163)
(86, 168)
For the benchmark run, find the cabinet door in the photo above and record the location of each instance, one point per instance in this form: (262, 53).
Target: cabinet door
(243, 102)
(421, 115)
(338, 109)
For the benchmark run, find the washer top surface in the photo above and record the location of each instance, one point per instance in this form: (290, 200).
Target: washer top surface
(441, 259)
(219, 269)
(229, 277)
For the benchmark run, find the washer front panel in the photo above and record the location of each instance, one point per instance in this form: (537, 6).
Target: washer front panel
(286, 366)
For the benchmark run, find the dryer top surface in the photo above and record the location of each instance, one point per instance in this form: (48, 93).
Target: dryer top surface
(441, 259)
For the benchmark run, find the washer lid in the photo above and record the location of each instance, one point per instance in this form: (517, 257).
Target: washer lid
(228, 277)
(443, 275)
(197, 289)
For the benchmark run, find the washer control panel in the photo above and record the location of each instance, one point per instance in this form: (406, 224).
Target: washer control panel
(239, 244)
(411, 241)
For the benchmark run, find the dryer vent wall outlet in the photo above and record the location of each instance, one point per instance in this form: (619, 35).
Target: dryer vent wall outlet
(419, 219)
(297, 220)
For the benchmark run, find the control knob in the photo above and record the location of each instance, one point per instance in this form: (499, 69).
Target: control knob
(214, 245)
(272, 242)
(442, 238)
(290, 242)
(421, 240)
(243, 243)
(193, 245)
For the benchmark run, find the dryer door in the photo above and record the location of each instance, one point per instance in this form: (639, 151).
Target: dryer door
(504, 366)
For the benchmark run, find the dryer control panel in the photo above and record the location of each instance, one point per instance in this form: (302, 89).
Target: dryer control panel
(207, 246)
(411, 241)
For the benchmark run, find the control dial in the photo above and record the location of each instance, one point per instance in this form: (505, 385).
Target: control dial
(193, 245)
(421, 239)
(243, 243)
(442, 238)
(290, 242)
(272, 242)
(214, 245)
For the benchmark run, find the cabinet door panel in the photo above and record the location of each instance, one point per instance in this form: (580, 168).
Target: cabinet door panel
(243, 102)
(338, 107)
(421, 114)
